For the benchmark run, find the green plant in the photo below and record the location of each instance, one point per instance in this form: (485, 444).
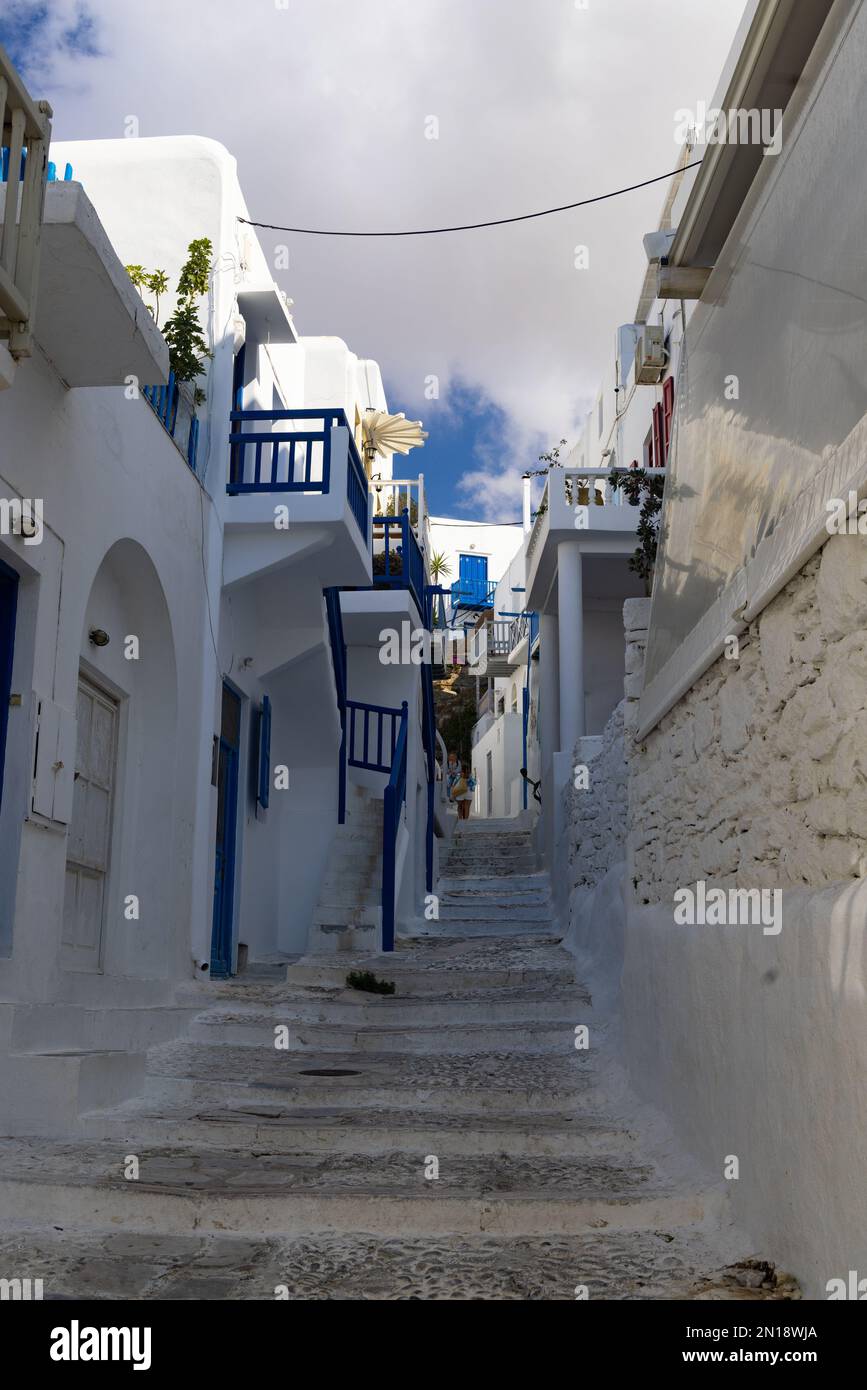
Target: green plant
(642, 488)
(366, 980)
(413, 510)
(156, 282)
(395, 562)
(550, 459)
(188, 349)
(439, 566)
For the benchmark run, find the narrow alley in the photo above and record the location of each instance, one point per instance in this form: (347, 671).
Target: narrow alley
(447, 1141)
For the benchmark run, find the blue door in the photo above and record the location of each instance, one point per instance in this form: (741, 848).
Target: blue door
(8, 608)
(227, 753)
(473, 579)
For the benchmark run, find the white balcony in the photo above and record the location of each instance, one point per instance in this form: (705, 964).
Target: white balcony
(297, 496)
(25, 132)
(580, 507)
(91, 322)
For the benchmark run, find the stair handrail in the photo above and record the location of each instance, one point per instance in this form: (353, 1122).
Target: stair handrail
(393, 800)
(338, 658)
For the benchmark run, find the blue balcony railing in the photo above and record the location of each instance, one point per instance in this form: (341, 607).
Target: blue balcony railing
(295, 458)
(400, 563)
(51, 174)
(468, 593)
(165, 402)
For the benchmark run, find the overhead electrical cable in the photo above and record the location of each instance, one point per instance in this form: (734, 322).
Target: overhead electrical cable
(476, 226)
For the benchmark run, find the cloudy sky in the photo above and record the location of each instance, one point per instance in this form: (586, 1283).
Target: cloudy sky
(327, 106)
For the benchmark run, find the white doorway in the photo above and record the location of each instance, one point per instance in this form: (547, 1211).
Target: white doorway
(89, 844)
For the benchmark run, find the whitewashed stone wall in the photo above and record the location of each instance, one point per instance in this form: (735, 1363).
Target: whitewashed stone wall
(759, 774)
(595, 817)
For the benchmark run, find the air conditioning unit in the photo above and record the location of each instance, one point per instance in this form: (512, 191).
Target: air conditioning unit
(650, 355)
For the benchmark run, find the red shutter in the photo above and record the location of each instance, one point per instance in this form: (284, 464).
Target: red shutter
(667, 409)
(658, 434)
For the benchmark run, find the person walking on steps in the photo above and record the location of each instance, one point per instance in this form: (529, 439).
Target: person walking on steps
(461, 789)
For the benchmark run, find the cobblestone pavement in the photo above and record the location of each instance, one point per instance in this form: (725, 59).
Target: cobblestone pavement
(445, 1142)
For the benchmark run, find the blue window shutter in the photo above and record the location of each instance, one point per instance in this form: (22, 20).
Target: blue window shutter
(264, 752)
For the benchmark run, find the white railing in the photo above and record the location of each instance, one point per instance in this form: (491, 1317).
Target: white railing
(391, 496)
(25, 125)
(592, 486)
(539, 521)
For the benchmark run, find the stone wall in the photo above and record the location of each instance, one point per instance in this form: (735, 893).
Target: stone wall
(758, 776)
(595, 817)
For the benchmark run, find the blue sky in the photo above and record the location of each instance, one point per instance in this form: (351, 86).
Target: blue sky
(327, 105)
(25, 29)
(465, 437)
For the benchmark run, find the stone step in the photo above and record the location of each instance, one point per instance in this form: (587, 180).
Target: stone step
(220, 1074)
(464, 928)
(501, 900)
(494, 910)
(47, 1092)
(433, 981)
(358, 1130)
(545, 1035)
(353, 1008)
(509, 867)
(182, 1189)
(681, 1264)
(515, 883)
(363, 894)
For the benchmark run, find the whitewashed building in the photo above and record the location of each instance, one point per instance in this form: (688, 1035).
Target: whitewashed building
(207, 762)
(731, 772)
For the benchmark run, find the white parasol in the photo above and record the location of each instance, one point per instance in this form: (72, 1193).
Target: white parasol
(391, 434)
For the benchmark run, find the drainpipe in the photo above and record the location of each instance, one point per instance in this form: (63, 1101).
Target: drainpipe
(527, 504)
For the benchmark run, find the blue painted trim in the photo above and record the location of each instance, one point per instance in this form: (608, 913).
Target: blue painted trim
(338, 657)
(8, 618)
(264, 785)
(404, 562)
(394, 798)
(222, 928)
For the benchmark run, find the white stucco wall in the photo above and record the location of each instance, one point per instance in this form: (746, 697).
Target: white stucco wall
(125, 524)
(453, 537)
(753, 1043)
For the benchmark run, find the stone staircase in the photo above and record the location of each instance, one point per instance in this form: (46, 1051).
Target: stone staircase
(447, 1141)
(490, 885)
(348, 915)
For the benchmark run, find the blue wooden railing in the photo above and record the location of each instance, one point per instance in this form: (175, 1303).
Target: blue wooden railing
(371, 728)
(393, 801)
(429, 739)
(164, 401)
(469, 594)
(338, 656)
(377, 742)
(51, 174)
(403, 562)
(294, 459)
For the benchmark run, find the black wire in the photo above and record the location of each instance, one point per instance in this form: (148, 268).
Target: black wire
(474, 226)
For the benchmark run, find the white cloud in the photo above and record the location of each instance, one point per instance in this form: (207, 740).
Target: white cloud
(324, 104)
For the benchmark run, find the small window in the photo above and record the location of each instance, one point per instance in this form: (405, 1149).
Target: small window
(648, 450)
